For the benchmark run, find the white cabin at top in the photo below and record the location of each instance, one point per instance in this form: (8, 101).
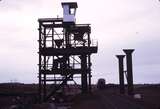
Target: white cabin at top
(69, 11)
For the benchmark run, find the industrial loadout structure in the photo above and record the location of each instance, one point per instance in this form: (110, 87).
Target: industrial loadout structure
(65, 50)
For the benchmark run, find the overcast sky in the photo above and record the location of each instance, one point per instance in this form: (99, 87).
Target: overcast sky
(116, 24)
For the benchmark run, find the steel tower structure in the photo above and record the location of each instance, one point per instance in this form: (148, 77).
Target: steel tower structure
(65, 50)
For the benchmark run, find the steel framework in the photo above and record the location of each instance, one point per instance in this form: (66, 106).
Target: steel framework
(64, 52)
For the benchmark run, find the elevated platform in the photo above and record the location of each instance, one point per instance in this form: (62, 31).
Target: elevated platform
(58, 23)
(63, 71)
(51, 22)
(51, 80)
(68, 51)
(50, 19)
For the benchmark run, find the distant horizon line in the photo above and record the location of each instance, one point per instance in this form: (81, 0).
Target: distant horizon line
(80, 84)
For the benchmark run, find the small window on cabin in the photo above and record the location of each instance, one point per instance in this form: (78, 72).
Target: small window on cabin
(72, 11)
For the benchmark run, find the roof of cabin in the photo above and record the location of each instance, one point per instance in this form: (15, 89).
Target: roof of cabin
(71, 4)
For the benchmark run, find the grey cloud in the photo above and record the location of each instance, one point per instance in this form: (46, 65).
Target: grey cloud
(18, 5)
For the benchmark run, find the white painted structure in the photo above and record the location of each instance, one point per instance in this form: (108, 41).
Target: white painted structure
(69, 11)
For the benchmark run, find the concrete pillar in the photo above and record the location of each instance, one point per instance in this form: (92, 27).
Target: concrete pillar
(121, 73)
(129, 70)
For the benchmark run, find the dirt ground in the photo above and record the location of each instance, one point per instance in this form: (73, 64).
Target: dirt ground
(108, 98)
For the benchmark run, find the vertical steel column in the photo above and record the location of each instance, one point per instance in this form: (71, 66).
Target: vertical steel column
(121, 73)
(84, 74)
(67, 36)
(45, 62)
(129, 70)
(39, 76)
(89, 63)
(53, 56)
(89, 73)
(67, 40)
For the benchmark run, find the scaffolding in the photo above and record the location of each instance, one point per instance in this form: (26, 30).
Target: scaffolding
(64, 52)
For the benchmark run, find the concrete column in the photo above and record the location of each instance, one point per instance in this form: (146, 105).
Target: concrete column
(121, 73)
(129, 70)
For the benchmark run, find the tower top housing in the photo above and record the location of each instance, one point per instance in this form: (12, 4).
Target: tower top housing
(69, 11)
